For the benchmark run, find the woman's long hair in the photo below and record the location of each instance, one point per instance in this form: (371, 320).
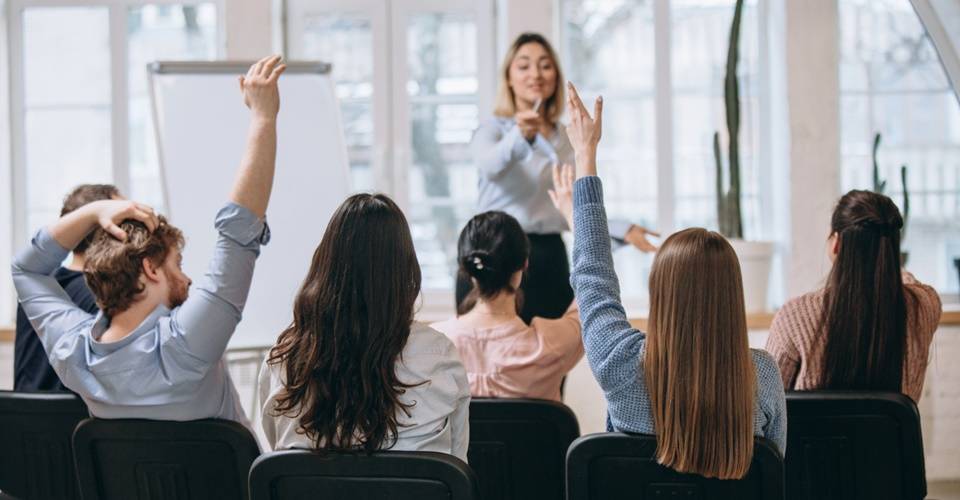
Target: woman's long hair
(697, 365)
(865, 313)
(351, 320)
(491, 249)
(506, 102)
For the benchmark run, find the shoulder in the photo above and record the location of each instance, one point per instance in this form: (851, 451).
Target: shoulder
(768, 373)
(424, 340)
(449, 327)
(798, 311)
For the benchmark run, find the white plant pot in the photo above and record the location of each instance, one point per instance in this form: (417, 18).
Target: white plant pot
(756, 259)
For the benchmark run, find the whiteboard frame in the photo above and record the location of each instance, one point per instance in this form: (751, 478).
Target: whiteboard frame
(206, 68)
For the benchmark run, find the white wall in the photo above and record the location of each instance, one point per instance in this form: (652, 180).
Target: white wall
(518, 16)
(249, 29)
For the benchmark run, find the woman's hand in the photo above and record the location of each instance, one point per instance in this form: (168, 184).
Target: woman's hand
(529, 122)
(637, 236)
(562, 193)
(584, 132)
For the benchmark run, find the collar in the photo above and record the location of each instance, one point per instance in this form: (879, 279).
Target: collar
(101, 323)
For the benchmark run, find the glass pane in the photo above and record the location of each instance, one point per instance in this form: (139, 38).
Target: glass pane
(159, 32)
(67, 127)
(81, 155)
(442, 64)
(700, 36)
(892, 83)
(346, 41)
(598, 39)
(71, 43)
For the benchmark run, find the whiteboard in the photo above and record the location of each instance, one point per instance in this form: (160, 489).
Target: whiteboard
(201, 126)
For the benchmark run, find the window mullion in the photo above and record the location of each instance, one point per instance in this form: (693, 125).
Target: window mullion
(663, 116)
(119, 99)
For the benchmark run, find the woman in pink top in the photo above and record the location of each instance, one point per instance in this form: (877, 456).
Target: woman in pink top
(871, 327)
(505, 357)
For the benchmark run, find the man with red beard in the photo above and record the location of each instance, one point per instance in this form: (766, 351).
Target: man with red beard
(153, 352)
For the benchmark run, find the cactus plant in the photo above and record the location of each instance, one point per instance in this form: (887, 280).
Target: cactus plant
(879, 186)
(729, 216)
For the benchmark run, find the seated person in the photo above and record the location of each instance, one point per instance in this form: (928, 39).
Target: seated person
(871, 327)
(153, 352)
(504, 356)
(692, 379)
(353, 371)
(31, 368)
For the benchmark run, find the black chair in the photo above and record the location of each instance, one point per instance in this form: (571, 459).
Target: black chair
(613, 466)
(518, 447)
(853, 446)
(148, 459)
(393, 475)
(36, 460)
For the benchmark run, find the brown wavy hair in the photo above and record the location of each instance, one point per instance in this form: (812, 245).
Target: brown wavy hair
(697, 364)
(351, 320)
(864, 316)
(113, 267)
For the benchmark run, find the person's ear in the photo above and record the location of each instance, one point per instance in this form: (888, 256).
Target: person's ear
(835, 244)
(151, 271)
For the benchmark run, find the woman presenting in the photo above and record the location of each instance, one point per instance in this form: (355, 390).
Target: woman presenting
(514, 151)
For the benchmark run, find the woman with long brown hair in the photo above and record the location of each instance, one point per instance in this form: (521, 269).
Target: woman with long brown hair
(514, 151)
(353, 371)
(692, 380)
(871, 326)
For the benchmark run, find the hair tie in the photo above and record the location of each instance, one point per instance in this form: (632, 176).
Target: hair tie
(478, 263)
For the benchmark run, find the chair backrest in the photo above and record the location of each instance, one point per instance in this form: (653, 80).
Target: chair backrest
(394, 475)
(36, 460)
(150, 459)
(853, 445)
(613, 466)
(518, 447)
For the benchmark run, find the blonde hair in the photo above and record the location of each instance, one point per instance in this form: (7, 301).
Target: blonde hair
(506, 105)
(697, 365)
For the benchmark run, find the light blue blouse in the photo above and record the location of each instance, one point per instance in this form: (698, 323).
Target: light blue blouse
(171, 366)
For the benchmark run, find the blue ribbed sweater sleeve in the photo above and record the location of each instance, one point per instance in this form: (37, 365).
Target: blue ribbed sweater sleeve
(613, 347)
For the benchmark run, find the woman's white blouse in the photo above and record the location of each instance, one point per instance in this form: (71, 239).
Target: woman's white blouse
(439, 415)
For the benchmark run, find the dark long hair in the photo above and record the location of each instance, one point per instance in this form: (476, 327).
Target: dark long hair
(351, 320)
(492, 247)
(865, 313)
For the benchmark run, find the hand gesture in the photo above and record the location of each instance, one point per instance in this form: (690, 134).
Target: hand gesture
(259, 87)
(584, 132)
(110, 213)
(637, 236)
(562, 193)
(529, 122)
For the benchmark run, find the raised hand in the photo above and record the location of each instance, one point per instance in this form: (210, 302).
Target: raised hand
(259, 87)
(637, 236)
(584, 132)
(562, 193)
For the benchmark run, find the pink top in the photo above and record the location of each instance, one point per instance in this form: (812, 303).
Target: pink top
(797, 344)
(514, 360)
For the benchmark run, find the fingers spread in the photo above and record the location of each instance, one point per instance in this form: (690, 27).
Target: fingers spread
(267, 69)
(277, 72)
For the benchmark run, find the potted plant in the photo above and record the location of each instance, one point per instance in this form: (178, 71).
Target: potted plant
(755, 257)
(879, 186)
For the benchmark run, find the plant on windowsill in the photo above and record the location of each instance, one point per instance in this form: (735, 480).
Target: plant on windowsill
(755, 256)
(879, 186)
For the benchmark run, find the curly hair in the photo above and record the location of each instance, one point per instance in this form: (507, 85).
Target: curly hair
(113, 267)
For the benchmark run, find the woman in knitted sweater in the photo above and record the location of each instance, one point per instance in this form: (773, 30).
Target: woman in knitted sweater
(871, 327)
(693, 381)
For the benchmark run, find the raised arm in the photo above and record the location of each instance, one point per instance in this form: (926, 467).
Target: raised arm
(613, 346)
(261, 94)
(210, 315)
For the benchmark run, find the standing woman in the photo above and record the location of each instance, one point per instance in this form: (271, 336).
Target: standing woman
(514, 151)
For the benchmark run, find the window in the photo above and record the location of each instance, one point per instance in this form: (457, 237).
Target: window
(411, 97)
(81, 110)
(892, 82)
(666, 181)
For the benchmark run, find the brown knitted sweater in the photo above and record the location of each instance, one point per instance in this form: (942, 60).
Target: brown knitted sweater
(797, 343)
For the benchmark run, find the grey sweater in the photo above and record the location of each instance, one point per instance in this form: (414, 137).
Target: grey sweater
(615, 349)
